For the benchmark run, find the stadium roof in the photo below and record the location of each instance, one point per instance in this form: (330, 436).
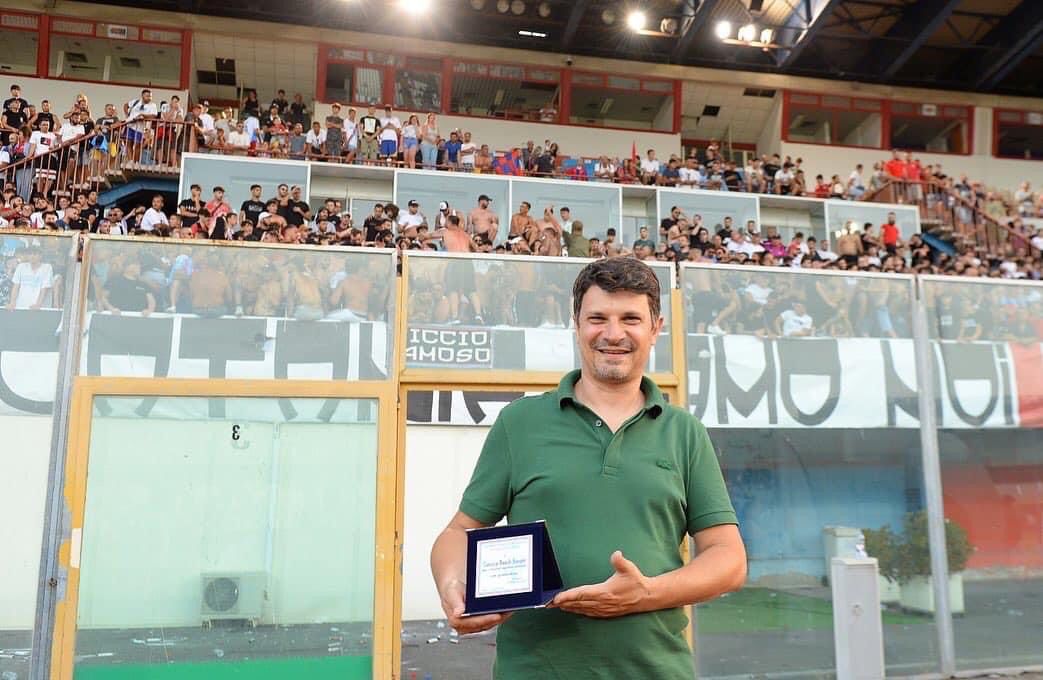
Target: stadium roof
(969, 45)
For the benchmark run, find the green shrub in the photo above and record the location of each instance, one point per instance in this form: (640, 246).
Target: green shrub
(901, 558)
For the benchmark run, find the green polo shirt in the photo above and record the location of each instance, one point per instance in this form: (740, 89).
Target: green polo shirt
(639, 490)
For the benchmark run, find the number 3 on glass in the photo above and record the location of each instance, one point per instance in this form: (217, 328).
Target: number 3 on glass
(235, 433)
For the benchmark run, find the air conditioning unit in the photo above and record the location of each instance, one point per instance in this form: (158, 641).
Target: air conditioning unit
(232, 596)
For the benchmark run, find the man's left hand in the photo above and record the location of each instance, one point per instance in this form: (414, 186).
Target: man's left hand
(625, 592)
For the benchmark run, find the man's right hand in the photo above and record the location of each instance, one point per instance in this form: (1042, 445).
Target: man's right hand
(453, 605)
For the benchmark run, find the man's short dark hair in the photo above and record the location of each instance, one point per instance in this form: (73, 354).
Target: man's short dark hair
(255, 186)
(618, 274)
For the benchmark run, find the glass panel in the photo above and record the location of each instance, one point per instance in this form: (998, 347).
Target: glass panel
(116, 61)
(613, 108)
(510, 313)
(637, 213)
(19, 55)
(713, 210)
(460, 191)
(854, 215)
(809, 124)
(1020, 141)
(238, 542)
(857, 128)
(938, 135)
(805, 384)
(477, 95)
(789, 216)
(418, 90)
(987, 350)
(32, 271)
(177, 309)
(236, 176)
(369, 84)
(338, 82)
(597, 206)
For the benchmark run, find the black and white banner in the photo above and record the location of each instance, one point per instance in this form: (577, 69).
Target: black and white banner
(173, 346)
(743, 381)
(510, 349)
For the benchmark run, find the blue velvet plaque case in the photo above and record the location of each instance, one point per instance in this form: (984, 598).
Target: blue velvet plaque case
(546, 578)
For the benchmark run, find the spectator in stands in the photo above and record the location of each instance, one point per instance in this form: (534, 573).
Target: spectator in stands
(650, 167)
(369, 130)
(390, 131)
(576, 243)
(604, 170)
(468, 151)
(239, 140)
(452, 151)
(483, 160)
(139, 112)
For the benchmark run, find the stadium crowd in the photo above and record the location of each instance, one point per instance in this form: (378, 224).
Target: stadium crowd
(31, 202)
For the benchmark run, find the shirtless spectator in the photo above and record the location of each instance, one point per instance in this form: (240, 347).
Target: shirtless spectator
(849, 245)
(350, 299)
(305, 292)
(522, 224)
(456, 239)
(548, 235)
(208, 287)
(482, 221)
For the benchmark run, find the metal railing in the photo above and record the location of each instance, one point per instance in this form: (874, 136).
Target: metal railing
(102, 158)
(948, 214)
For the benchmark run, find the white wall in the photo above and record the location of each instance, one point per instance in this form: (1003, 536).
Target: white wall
(768, 141)
(573, 140)
(25, 449)
(201, 503)
(439, 461)
(996, 173)
(61, 93)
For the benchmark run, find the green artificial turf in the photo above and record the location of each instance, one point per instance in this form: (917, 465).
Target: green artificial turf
(755, 609)
(321, 668)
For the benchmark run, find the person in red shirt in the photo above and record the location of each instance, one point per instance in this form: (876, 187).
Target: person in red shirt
(889, 233)
(913, 174)
(896, 166)
(822, 187)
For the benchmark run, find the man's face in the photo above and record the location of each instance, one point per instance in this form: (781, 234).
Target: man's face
(296, 193)
(483, 204)
(157, 202)
(890, 218)
(146, 96)
(644, 232)
(523, 209)
(615, 332)
(283, 189)
(413, 208)
(239, 127)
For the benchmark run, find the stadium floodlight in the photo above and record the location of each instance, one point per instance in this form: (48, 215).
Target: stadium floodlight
(415, 6)
(767, 35)
(724, 29)
(748, 33)
(636, 20)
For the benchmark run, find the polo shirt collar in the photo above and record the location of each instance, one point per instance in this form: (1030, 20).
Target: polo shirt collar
(654, 401)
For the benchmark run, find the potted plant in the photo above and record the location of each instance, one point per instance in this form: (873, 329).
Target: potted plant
(884, 546)
(913, 565)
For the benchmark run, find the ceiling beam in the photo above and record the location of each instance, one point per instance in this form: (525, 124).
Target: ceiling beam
(920, 22)
(997, 45)
(1026, 35)
(579, 8)
(691, 26)
(806, 21)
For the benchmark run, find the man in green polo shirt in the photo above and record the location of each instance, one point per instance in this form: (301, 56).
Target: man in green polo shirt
(619, 476)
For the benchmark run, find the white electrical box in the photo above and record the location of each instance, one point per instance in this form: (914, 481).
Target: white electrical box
(858, 632)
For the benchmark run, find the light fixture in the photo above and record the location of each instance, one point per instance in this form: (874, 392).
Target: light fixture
(767, 35)
(531, 34)
(478, 4)
(608, 16)
(503, 6)
(747, 33)
(518, 7)
(414, 6)
(543, 10)
(723, 29)
(668, 26)
(636, 20)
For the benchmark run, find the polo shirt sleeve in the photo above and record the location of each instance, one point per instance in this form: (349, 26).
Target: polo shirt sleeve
(708, 501)
(487, 497)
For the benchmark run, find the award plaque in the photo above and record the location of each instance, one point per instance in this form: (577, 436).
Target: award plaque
(510, 567)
